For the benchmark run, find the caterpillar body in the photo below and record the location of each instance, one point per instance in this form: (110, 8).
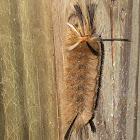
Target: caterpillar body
(83, 59)
(82, 71)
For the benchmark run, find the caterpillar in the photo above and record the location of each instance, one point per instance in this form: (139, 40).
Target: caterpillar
(83, 64)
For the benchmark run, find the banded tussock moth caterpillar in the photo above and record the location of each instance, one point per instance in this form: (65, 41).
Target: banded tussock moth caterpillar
(82, 70)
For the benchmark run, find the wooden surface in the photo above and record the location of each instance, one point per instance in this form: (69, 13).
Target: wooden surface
(27, 97)
(32, 42)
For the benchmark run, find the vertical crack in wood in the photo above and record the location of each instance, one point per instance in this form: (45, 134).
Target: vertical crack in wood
(113, 84)
(56, 86)
(57, 95)
(136, 90)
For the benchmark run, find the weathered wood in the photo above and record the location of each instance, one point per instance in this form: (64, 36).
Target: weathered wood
(32, 43)
(28, 102)
(117, 115)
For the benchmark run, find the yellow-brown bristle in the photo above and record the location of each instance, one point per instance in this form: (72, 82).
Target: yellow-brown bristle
(81, 83)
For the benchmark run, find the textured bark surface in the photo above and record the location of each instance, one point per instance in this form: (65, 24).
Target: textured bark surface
(32, 38)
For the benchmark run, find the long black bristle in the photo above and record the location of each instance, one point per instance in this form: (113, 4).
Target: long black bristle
(92, 125)
(114, 40)
(92, 50)
(93, 128)
(69, 130)
(91, 13)
(79, 14)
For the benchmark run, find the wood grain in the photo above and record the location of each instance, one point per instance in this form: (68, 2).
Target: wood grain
(32, 38)
(28, 102)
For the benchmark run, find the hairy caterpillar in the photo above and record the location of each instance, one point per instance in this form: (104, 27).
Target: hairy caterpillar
(82, 73)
